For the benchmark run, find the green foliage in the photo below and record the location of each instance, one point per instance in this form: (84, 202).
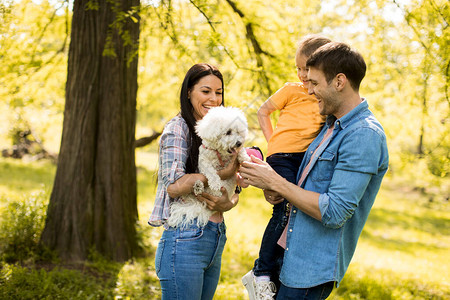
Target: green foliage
(402, 253)
(19, 179)
(136, 280)
(33, 45)
(23, 283)
(118, 26)
(23, 200)
(92, 5)
(213, 32)
(78, 282)
(20, 228)
(438, 159)
(429, 21)
(101, 264)
(388, 287)
(404, 44)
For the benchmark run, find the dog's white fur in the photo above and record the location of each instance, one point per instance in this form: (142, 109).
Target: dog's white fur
(223, 130)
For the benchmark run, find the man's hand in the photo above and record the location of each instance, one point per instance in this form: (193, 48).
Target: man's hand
(259, 174)
(240, 181)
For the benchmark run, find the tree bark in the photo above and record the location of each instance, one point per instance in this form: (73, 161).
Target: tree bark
(93, 203)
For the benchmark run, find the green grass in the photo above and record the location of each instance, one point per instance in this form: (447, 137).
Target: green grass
(18, 177)
(402, 253)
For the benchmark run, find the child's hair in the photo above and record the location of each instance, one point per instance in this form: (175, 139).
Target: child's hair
(310, 43)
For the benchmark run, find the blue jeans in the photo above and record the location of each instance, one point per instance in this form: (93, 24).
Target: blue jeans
(319, 292)
(188, 261)
(270, 253)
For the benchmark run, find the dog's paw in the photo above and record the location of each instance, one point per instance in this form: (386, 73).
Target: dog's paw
(198, 187)
(243, 156)
(214, 184)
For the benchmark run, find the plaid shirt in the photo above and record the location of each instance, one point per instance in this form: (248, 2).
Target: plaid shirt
(173, 154)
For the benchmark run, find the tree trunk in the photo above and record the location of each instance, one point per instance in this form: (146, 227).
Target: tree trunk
(93, 204)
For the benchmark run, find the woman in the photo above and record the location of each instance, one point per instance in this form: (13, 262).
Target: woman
(188, 259)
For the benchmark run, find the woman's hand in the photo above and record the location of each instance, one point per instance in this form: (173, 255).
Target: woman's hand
(230, 169)
(221, 203)
(185, 184)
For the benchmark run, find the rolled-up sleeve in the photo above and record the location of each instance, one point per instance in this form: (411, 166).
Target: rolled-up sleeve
(358, 161)
(339, 204)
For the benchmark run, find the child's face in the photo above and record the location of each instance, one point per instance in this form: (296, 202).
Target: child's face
(302, 72)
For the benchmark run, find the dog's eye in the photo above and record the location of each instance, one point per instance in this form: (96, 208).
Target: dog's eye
(228, 132)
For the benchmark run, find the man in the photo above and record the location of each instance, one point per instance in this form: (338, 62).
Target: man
(338, 179)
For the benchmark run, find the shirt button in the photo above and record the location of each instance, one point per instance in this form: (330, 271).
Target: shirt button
(287, 249)
(290, 230)
(294, 211)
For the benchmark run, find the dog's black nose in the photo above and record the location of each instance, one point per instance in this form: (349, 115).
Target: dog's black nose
(238, 144)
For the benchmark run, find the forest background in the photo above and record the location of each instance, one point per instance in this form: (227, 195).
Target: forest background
(406, 48)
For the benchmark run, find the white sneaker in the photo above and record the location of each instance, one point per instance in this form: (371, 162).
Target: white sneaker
(258, 290)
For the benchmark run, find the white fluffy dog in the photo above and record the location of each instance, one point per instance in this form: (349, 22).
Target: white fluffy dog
(223, 131)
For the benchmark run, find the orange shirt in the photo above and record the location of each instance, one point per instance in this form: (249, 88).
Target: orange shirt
(299, 122)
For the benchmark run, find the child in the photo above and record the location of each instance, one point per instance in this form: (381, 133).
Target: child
(298, 124)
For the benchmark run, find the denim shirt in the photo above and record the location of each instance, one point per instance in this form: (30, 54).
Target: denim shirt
(346, 171)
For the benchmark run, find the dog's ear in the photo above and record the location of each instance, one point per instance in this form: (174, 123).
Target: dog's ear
(199, 128)
(203, 128)
(207, 127)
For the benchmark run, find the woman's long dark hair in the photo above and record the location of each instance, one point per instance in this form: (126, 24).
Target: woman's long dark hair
(193, 76)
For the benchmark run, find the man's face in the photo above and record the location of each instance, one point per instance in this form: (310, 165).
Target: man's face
(325, 93)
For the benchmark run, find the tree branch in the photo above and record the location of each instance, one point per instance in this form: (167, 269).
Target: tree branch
(214, 30)
(447, 80)
(259, 52)
(144, 141)
(439, 11)
(425, 47)
(168, 26)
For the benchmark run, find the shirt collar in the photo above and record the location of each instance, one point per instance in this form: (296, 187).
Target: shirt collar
(345, 120)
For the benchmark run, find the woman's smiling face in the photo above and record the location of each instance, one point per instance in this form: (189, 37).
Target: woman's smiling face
(205, 94)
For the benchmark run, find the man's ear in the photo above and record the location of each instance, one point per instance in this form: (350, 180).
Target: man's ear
(340, 81)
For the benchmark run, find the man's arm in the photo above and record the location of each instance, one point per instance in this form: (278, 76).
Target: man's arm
(359, 158)
(261, 175)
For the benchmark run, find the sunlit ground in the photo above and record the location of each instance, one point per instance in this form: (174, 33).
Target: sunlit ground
(402, 253)
(404, 247)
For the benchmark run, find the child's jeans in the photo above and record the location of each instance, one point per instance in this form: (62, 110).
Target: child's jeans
(270, 253)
